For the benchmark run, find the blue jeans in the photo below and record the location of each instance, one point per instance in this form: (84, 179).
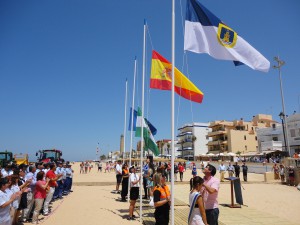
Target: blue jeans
(58, 189)
(212, 216)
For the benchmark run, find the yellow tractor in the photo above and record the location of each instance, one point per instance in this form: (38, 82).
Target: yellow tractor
(21, 159)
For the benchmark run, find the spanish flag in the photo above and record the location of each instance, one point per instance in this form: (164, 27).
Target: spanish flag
(161, 78)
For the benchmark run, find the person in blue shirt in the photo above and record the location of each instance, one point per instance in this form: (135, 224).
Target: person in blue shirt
(145, 178)
(59, 189)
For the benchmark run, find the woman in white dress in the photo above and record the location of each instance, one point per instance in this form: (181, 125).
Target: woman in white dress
(197, 214)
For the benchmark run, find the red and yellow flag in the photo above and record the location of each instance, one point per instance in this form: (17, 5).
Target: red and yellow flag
(161, 78)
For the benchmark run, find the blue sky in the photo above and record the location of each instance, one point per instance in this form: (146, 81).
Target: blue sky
(63, 66)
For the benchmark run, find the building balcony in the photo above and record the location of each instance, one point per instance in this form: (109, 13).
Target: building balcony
(185, 149)
(217, 143)
(185, 133)
(271, 146)
(215, 133)
(251, 131)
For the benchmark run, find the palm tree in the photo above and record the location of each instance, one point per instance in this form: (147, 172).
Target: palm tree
(160, 145)
(194, 138)
(168, 146)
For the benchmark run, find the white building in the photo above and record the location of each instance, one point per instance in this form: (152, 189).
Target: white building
(271, 139)
(293, 127)
(192, 140)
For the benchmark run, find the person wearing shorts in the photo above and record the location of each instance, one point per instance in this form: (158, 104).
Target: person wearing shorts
(134, 180)
(118, 176)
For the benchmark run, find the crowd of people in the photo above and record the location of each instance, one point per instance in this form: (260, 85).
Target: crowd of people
(26, 191)
(285, 174)
(203, 196)
(233, 170)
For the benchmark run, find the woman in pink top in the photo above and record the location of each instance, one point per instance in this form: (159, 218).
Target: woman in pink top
(39, 195)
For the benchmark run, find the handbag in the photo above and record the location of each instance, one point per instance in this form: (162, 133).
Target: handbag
(151, 203)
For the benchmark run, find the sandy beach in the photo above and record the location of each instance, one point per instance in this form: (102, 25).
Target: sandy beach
(93, 202)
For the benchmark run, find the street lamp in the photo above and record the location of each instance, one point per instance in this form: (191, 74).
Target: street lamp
(282, 117)
(280, 63)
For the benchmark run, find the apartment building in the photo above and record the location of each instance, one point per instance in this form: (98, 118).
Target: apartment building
(192, 140)
(237, 136)
(272, 139)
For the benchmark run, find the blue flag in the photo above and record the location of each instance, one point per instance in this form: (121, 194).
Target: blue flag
(206, 33)
(151, 127)
(134, 119)
(135, 113)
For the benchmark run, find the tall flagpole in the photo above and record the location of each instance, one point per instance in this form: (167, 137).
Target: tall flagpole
(280, 63)
(97, 151)
(131, 122)
(142, 122)
(123, 153)
(172, 114)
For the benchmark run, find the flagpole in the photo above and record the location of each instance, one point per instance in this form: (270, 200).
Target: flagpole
(124, 137)
(97, 152)
(142, 122)
(131, 128)
(172, 114)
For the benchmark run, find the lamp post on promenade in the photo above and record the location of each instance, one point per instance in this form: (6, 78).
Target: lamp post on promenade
(282, 116)
(299, 103)
(280, 63)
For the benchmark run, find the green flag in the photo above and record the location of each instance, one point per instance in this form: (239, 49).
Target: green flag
(148, 137)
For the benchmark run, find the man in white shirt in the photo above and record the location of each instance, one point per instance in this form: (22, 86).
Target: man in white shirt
(222, 170)
(134, 181)
(59, 188)
(230, 170)
(5, 171)
(118, 176)
(30, 198)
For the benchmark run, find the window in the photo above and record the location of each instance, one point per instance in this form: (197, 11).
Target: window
(293, 132)
(245, 147)
(245, 138)
(275, 138)
(255, 138)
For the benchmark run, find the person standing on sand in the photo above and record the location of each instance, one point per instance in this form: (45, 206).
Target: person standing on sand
(222, 170)
(145, 178)
(39, 195)
(291, 173)
(86, 166)
(52, 184)
(5, 201)
(237, 169)
(118, 176)
(125, 176)
(81, 167)
(282, 173)
(230, 170)
(275, 169)
(210, 193)
(90, 166)
(245, 171)
(181, 170)
(134, 180)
